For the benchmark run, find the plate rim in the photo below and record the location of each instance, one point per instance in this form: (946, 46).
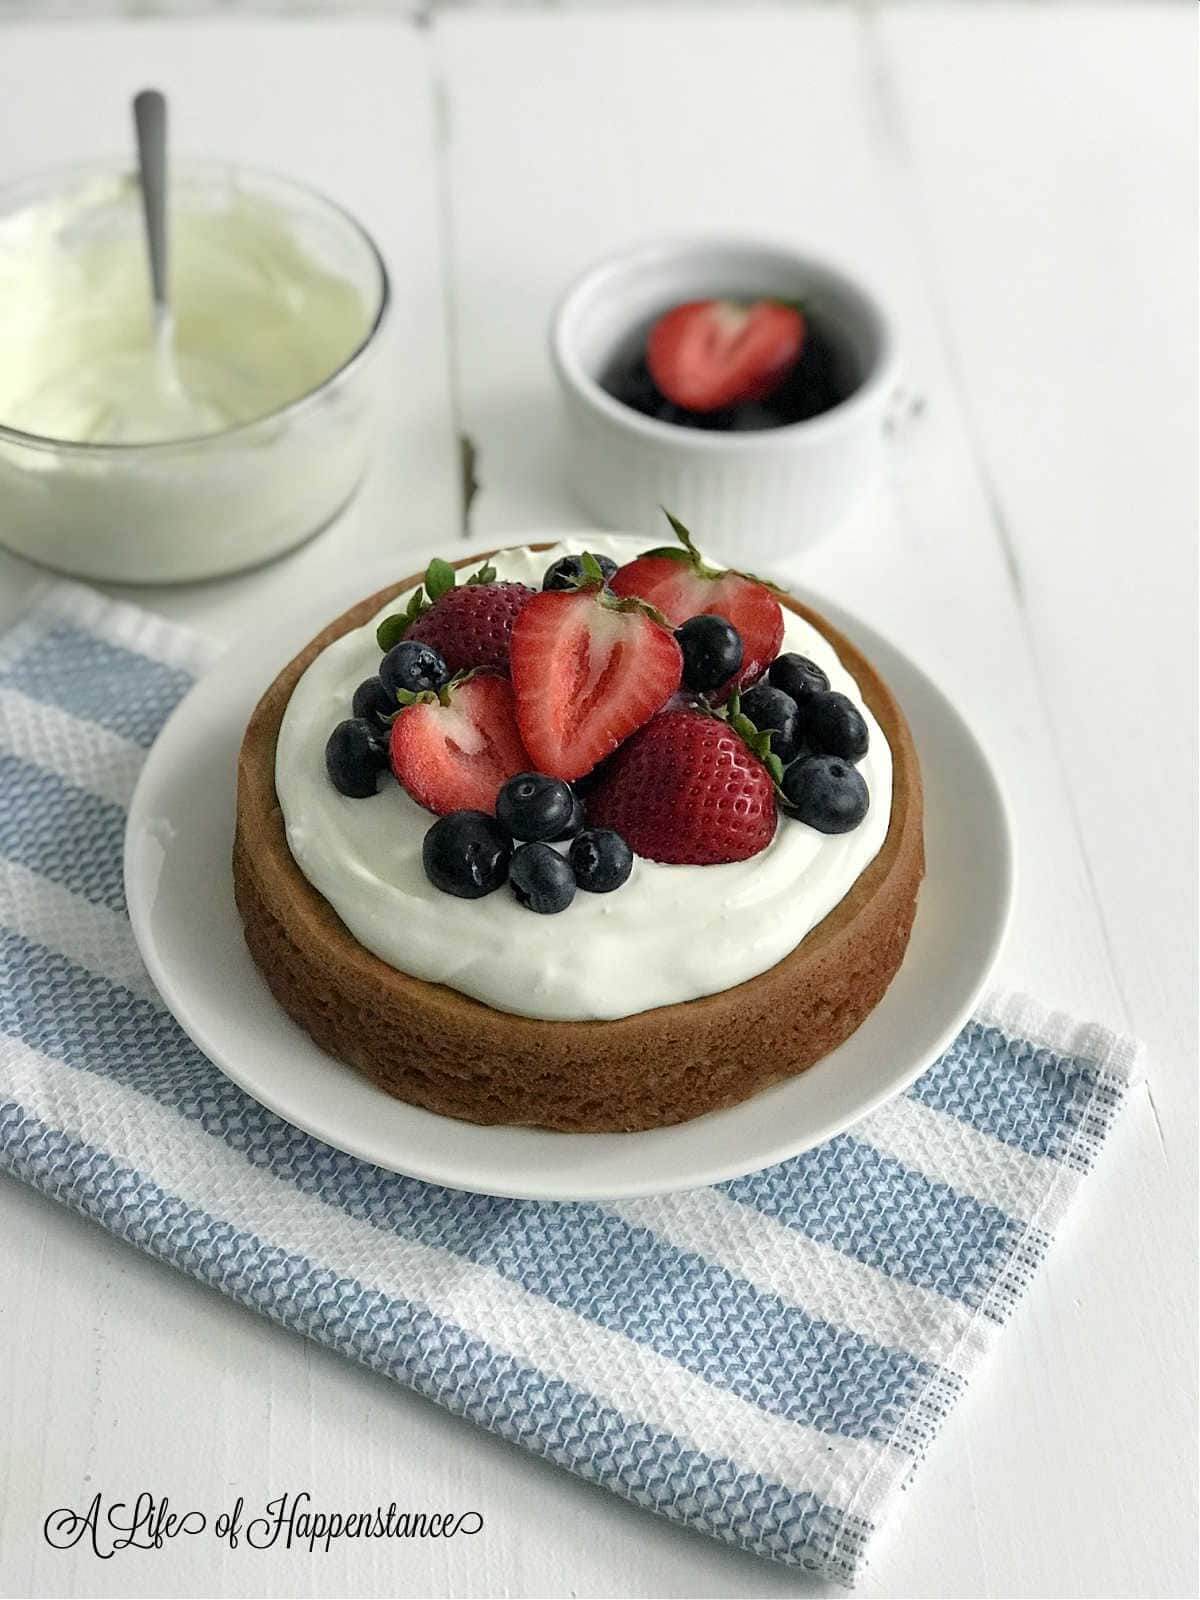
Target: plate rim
(408, 1162)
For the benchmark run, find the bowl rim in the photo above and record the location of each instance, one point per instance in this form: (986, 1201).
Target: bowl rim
(880, 381)
(121, 167)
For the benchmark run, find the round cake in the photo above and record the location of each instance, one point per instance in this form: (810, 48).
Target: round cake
(689, 989)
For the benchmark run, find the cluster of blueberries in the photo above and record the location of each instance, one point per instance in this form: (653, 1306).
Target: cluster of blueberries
(356, 752)
(468, 853)
(817, 733)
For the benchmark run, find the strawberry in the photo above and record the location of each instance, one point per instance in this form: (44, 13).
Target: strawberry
(588, 670)
(681, 585)
(687, 790)
(469, 627)
(709, 354)
(453, 749)
(472, 627)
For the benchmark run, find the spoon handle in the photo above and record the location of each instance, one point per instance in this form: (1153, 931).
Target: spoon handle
(150, 120)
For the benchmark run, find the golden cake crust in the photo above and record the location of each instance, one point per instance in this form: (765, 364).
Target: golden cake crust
(434, 1047)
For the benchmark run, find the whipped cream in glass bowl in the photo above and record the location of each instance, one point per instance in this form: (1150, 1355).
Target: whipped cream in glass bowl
(249, 437)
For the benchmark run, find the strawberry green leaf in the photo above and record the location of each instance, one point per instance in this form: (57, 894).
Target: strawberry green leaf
(695, 560)
(439, 578)
(486, 574)
(592, 569)
(682, 534)
(392, 629)
(669, 552)
(432, 697)
(743, 726)
(689, 552)
(390, 632)
(757, 740)
(753, 577)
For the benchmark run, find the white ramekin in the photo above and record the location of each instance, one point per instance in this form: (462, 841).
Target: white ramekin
(754, 496)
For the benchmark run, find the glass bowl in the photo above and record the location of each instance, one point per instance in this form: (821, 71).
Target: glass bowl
(197, 507)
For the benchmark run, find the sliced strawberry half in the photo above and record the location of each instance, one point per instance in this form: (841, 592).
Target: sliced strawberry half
(678, 583)
(453, 750)
(709, 354)
(588, 671)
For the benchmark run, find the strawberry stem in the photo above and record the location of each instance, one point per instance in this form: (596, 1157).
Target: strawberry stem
(631, 602)
(691, 555)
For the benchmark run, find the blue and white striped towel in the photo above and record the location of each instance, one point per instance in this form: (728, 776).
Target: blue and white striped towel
(766, 1361)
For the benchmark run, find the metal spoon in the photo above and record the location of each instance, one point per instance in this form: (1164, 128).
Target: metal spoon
(189, 409)
(150, 121)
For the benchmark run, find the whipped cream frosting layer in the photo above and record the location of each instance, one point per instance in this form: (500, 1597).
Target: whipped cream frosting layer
(672, 933)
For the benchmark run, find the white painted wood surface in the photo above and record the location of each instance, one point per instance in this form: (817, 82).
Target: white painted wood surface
(1020, 182)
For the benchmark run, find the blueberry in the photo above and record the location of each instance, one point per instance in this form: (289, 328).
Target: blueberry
(583, 786)
(466, 853)
(533, 806)
(567, 570)
(834, 726)
(752, 417)
(374, 704)
(413, 666)
(820, 380)
(601, 860)
(574, 822)
(632, 385)
(355, 755)
(797, 676)
(541, 879)
(712, 651)
(827, 793)
(770, 710)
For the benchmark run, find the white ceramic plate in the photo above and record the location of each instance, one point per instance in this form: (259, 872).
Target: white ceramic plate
(179, 885)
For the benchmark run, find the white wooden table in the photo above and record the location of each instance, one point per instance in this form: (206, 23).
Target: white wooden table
(1021, 179)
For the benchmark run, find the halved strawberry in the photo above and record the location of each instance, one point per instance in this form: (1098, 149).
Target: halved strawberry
(687, 789)
(454, 749)
(709, 354)
(587, 670)
(681, 585)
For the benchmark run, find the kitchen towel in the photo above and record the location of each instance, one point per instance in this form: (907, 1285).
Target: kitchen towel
(766, 1361)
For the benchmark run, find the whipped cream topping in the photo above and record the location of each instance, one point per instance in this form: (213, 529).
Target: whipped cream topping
(672, 933)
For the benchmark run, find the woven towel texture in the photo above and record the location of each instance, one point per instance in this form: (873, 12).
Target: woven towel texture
(767, 1360)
